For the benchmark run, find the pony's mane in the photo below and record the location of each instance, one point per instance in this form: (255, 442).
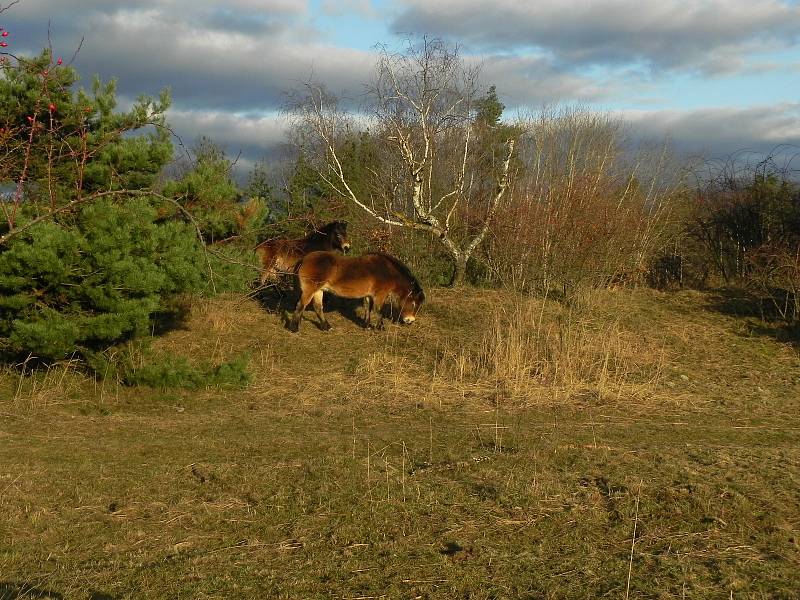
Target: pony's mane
(401, 266)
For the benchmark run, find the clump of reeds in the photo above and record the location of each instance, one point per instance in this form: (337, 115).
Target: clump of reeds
(526, 348)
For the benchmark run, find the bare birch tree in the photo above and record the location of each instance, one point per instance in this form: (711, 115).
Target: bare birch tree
(433, 172)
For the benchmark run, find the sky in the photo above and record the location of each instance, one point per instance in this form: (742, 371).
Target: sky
(712, 76)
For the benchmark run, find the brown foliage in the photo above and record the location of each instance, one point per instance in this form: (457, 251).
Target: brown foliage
(582, 212)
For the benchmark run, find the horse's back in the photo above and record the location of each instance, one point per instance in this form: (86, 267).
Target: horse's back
(345, 276)
(265, 249)
(323, 266)
(346, 266)
(318, 261)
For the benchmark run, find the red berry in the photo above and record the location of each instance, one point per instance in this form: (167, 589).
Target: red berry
(4, 34)
(30, 118)
(3, 44)
(59, 61)
(52, 107)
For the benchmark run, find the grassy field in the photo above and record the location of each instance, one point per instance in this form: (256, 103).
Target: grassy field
(646, 447)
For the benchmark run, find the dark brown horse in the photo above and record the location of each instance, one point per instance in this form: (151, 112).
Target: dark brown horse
(283, 255)
(374, 277)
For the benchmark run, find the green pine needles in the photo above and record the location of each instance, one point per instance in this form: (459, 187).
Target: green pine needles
(178, 372)
(88, 255)
(81, 286)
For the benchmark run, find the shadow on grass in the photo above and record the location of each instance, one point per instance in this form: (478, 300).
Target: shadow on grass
(18, 591)
(282, 299)
(12, 591)
(170, 320)
(763, 318)
(450, 548)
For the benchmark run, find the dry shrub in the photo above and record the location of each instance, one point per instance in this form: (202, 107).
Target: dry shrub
(379, 364)
(227, 318)
(585, 210)
(387, 376)
(774, 276)
(526, 349)
(745, 223)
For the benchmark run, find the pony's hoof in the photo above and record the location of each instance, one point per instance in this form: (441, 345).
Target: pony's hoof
(325, 326)
(293, 327)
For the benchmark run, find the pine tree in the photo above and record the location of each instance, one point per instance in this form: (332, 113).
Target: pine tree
(259, 186)
(78, 288)
(306, 190)
(209, 193)
(490, 109)
(61, 144)
(86, 261)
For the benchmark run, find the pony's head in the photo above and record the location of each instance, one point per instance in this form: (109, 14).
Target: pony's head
(410, 305)
(337, 232)
(407, 290)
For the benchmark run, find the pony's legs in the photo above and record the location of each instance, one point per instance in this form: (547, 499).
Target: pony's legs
(323, 322)
(368, 312)
(305, 297)
(377, 304)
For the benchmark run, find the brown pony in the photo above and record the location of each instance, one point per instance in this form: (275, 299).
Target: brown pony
(372, 276)
(283, 255)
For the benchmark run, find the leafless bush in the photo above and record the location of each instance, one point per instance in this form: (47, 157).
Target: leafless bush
(745, 223)
(741, 206)
(584, 211)
(775, 275)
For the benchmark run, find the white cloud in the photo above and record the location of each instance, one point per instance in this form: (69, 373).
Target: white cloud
(709, 36)
(231, 130)
(527, 81)
(152, 47)
(286, 6)
(717, 132)
(226, 62)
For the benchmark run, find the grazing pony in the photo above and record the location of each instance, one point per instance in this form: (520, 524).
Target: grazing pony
(373, 276)
(283, 255)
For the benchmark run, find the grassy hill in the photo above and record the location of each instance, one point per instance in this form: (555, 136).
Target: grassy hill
(646, 445)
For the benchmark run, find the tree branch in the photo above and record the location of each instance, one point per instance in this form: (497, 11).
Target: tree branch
(502, 186)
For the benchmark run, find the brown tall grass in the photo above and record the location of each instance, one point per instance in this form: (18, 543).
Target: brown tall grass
(34, 392)
(527, 349)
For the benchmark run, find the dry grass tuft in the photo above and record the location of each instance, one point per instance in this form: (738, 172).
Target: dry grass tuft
(527, 347)
(36, 392)
(225, 316)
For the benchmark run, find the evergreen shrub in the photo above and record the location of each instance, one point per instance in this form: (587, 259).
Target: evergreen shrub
(87, 283)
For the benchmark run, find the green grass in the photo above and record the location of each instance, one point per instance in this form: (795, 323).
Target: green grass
(360, 464)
